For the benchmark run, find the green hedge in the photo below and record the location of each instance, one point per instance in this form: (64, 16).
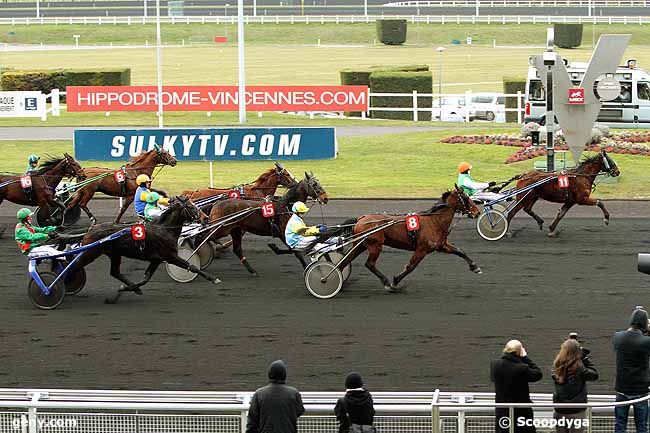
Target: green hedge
(567, 35)
(401, 82)
(512, 85)
(361, 76)
(46, 80)
(391, 32)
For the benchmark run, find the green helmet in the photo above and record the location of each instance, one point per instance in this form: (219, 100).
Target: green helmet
(33, 158)
(153, 197)
(24, 213)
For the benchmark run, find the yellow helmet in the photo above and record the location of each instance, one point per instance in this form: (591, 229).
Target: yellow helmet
(464, 166)
(299, 207)
(142, 178)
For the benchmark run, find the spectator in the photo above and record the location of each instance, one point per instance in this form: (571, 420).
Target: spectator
(572, 369)
(355, 411)
(511, 375)
(632, 371)
(276, 407)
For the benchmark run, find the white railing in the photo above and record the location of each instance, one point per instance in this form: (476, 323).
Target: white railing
(148, 411)
(520, 3)
(337, 19)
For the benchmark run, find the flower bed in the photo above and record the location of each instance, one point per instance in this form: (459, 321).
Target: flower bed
(631, 143)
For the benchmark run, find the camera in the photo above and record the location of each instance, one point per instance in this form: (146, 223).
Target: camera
(643, 263)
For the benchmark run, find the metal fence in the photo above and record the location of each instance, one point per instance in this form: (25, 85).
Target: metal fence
(79, 411)
(336, 19)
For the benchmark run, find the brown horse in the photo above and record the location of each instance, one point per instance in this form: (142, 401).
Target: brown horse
(581, 180)
(44, 183)
(435, 225)
(144, 163)
(266, 184)
(256, 223)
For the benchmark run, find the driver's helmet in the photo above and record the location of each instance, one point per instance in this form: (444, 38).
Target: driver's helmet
(142, 178)
(153, 197)
(299, 207)
(33, 159)
(464, 166)
(24, 213)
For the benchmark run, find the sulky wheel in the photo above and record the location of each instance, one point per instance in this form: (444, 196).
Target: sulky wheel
(55, 219)
(74, 281)
(183, 275)
(323, 280)
(206, 254)
(492, 225)
(335, 257)
(55, 296)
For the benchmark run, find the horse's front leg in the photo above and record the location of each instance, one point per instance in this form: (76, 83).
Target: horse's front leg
(416, 258)
(148, 273)
(116, 262)
(594, 201)
(560, 214)
(450, 249)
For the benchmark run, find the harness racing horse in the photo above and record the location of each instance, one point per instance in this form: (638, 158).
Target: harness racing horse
(435, 225)
(581, 181)
(256, 223)
(159, 245)
(44, 183)
(145, 163)
(266, 184)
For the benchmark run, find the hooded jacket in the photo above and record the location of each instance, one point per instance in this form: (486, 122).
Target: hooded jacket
(276, 407)
(355, 407)
(632, 355)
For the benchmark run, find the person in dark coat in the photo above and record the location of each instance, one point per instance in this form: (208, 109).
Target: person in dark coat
(632, 371)
(276, 407)
(355, 411)
(572, 369)
(511, 375)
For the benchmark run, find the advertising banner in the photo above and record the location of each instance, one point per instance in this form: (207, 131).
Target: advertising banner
(223, 144)
(217, 98)
(21, 104)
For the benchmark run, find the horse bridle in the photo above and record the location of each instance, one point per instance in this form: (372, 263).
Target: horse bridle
(313, 188)
(464, 199)
(607, 164)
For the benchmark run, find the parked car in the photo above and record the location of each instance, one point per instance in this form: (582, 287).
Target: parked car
(449, 109)
(487, 106)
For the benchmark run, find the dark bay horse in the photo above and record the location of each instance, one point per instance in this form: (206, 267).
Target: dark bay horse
(581, 180)
(44, 183)
(145, 163)
(256, 223)
(266, 184)
(435, 224)
(160, 245)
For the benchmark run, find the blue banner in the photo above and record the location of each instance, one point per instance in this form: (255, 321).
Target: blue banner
(223, 144)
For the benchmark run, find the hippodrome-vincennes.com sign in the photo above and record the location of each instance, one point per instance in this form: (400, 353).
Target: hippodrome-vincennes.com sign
(221, 144)
(217, 98)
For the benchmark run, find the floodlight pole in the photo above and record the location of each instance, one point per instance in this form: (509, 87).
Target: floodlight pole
(440, 50)
(242, 72)
(549, 60)
(159, 66)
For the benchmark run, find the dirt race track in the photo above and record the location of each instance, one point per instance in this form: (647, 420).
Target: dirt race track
(440, 332)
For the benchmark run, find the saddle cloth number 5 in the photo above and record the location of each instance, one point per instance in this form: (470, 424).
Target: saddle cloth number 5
(26, 181)
(412, 223)
(268, 210)
(563, 181)
(138, 232)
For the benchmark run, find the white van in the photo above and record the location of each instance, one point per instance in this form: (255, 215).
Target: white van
(631, 107)
(449, 109)
(487, 106)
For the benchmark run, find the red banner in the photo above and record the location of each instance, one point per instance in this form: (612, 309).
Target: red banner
(217, 98)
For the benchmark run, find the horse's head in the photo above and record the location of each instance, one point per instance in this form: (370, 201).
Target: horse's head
(608, 165)
(72, 168)
(315, 189)
(163, 157)
(461, 202)
(285, 178)
(184, 208)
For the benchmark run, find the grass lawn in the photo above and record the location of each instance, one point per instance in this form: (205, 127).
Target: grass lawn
(407, 165)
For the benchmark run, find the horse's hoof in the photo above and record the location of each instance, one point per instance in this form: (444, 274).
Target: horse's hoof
(552, 234)
(216, 281)
(541, 226)
(477, 270)
(123, 287)
(137, 291)
(255, 274)
(606, 222)
(391, 288)
(509, 235)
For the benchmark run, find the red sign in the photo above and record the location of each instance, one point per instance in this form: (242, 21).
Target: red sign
(138, 232)
(563, 181)
(577, 95)
(217, 98)
(412, 223)
(268, 209)
(119, 176)
(234, 194)
(26, 181)
(221, 39)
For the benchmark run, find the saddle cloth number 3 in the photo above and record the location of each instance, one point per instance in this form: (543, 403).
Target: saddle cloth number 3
(26, 181)
(412, 223)
(563, 181)
(138, 232)
(268, 210)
